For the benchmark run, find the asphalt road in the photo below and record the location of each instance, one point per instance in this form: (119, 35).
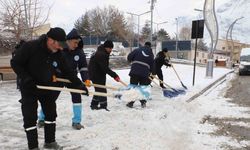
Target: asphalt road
(239, 93)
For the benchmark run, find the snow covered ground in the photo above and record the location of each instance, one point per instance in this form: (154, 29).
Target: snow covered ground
(165, 124)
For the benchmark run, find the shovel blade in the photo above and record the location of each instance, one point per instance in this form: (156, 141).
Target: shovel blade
(168, 93)
(181, 91)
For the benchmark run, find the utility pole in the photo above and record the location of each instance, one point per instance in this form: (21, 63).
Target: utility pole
(26, 17)
(152, 9)
(138, 25)
(176, 41)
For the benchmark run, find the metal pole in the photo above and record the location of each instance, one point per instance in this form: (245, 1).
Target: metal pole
(195, 51)
(138, 15)
(26, 16)
(212, 27)
(138, 36)
(157, 24)
(176, 41)
(152, 9)
(230, 30)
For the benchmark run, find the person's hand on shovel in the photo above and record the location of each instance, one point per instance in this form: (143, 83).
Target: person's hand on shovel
(117, 79)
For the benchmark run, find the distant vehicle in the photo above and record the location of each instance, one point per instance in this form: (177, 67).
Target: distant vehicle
(88, 52)
(244, 67)
(114, 52)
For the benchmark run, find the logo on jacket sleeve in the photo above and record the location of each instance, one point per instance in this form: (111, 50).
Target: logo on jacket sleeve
(76, 58)
(54, 64)
(144, 54)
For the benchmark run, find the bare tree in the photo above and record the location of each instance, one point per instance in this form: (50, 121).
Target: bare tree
(185, 33)
(22, 19)
(108, 22)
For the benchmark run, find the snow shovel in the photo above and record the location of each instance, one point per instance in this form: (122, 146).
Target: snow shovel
(135, 93)
(179, 91)
(131, 93)
(178, 77)
(176, 72)
(166, 92)
(55, 79)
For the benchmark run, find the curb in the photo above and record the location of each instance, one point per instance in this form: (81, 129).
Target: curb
(208, 87)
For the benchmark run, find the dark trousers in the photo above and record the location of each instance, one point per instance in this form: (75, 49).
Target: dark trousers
(159, 74)
(29, 104)
(138, 80)
(96, 100)
(76, 97)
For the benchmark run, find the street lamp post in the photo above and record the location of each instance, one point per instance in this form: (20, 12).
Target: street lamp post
(229, 31)
(212, 26)
(199, 10)
(138, 25)
(157, 24)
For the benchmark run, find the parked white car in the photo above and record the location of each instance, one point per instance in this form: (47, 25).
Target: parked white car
(244, 67)
(88, 52)
(114, 52)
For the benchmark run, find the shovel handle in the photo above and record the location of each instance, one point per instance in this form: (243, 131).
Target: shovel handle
(123, 83)
(150, 78)
(95, 85)
(51, 88)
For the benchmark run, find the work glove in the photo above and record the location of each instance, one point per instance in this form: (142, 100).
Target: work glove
(87, 83)
(169, 65)
(117, 79)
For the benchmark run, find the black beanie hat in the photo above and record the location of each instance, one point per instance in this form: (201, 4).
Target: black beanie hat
(57, 34)
(108, 44)
(73, 34)
(165, 49)
(147, 44)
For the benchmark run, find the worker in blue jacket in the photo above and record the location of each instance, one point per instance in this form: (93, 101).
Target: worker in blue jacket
(77, 61)
(141, 60)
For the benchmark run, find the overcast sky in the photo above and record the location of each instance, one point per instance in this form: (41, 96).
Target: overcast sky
(66, 12)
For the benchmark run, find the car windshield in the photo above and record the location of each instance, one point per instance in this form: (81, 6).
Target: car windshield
(245, 58)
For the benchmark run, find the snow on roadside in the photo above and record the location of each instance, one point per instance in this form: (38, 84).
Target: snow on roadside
(165, 124)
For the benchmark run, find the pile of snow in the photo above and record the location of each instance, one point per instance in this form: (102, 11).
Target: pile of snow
(165, 124)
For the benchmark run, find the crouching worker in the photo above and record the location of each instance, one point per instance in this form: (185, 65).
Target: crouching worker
(35, 64)
(77, 61)
(141, 60)
(161, 59)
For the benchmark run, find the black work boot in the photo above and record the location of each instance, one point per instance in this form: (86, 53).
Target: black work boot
(32, 138)
(52, 145)
(143, 103)
(94, 107)
(104, 107)
(35, 148)
(77, 126)
(130, 104)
